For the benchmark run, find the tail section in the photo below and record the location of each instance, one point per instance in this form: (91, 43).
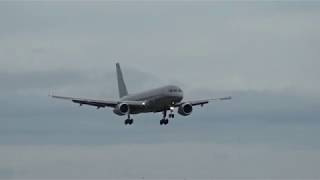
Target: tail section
(121, 85)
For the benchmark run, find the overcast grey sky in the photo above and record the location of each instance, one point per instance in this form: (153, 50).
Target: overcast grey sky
(266, 55)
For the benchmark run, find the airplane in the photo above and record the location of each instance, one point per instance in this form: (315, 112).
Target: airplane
(162, 99)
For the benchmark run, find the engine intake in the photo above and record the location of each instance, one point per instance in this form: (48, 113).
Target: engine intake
(121, 109)
(185, 109)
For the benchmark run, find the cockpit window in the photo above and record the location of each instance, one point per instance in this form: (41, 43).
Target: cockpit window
(175, 90)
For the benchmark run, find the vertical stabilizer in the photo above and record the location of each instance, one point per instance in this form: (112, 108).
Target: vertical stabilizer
(121, 85)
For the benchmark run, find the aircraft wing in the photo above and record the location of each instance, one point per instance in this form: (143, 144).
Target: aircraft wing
(204, 101)
(99, 103)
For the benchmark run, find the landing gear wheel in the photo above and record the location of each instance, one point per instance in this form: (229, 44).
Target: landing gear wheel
(171, 115)
(128, 121)
(164, 121)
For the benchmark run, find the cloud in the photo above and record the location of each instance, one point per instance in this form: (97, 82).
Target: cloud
(249, 118)
(182, 160)
(263, 54)
(39, 80)
(249, 46)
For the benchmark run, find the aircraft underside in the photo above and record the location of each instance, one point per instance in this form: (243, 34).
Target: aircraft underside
(162, 104)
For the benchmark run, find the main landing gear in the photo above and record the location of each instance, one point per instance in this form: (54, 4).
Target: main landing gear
(164, 120)
(128, 121)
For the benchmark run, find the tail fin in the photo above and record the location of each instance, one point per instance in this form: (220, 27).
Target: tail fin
(121, 85)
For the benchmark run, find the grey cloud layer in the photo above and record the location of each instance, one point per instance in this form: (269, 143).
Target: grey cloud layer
(151, 161)
(239, 46)
(264, 54)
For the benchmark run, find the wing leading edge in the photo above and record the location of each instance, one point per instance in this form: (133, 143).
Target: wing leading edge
(204, 101)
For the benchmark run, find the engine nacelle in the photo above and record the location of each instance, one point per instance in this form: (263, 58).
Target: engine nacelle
(185, 109)
(121, 109)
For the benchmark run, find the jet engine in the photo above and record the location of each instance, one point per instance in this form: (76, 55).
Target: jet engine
(185, 109)
(121, 109)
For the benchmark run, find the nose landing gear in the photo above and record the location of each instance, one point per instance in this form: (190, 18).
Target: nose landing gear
(171, 115)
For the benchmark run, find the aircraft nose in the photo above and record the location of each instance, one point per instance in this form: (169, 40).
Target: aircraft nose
(175, 92)
(181, 95)
(180, 92)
